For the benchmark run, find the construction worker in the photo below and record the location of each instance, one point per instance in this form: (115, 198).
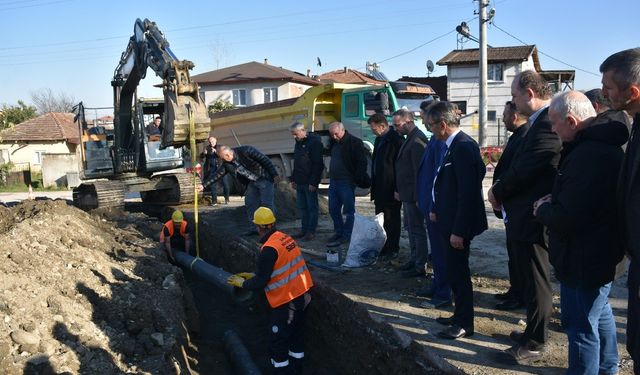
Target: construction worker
(283, 274)
(175, 235)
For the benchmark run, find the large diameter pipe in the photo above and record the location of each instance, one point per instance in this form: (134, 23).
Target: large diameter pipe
(239, 355)
(214, 275)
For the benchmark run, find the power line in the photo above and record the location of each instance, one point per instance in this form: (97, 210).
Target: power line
(542, 53)
(33, 5)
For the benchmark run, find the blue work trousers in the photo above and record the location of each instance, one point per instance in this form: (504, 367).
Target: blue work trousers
(440, 285)
(259, 193)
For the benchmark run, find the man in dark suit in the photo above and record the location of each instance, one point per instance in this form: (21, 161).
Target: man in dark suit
(529, 177)
(517, 124)
(458, 209)
(383, 180)
(621, 85)
(406, 167)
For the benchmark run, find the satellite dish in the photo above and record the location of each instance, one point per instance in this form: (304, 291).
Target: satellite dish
(430, 66)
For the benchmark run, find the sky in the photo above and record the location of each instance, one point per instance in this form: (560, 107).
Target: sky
(73, 46)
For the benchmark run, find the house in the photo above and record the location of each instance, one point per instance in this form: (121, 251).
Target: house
(252, 83)
(463, 78)
(438, 84)
(47, 144)
(347, 75)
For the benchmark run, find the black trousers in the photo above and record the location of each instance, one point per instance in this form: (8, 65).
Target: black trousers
(633, 314)
(533, 264)
(459, 277)
(515, 276)
(392, 225)
(286, 332)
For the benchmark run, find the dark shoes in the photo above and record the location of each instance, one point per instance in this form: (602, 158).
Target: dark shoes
(522, 355)
(387, 256)
(412, 273)
(425, 291)
(455, 332)
(334, 238)
(435, 303)
(298, 235)
(516, 336)
(338, 242)
(308, 237)
(509, 305)
(407, 266)
(445, 321)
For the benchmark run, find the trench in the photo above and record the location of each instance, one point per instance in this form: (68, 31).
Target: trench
(341, 337)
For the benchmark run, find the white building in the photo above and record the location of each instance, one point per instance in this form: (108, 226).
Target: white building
(252, 83)
(463, 79)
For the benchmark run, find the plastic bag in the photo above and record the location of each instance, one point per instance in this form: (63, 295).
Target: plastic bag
(367, 239)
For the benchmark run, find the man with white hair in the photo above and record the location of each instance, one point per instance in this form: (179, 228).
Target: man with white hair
(584, 238)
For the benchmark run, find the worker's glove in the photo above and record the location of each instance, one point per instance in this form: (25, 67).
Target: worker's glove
(235, 280)
(246, 275)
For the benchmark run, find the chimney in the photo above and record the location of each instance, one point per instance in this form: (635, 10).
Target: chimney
(266, 61)
(346, 70)
(308, 72)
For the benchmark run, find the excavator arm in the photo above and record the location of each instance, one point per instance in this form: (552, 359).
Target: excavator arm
(149, 48)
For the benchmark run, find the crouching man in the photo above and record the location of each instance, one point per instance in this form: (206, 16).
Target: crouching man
(175, 235)
(283, 275)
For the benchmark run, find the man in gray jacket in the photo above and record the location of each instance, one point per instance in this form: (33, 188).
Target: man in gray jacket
(407, 164)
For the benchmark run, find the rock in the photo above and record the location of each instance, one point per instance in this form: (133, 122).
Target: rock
(157, 339)
(169, 281)
(28, 341)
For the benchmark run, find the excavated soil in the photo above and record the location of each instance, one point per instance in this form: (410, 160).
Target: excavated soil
(80, 295)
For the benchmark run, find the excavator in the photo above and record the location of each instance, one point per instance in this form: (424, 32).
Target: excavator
(128, 158)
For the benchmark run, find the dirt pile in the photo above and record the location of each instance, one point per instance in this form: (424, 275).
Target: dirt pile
(285, 202)
(80, 295)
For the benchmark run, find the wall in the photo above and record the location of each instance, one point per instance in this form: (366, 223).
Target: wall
(463, 85)
(26, 153)
(55, 168)
(255, 93)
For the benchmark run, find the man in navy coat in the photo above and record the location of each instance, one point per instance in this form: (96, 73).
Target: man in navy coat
(458, 209)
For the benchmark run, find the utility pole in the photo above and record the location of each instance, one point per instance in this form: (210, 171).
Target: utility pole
(482, 129)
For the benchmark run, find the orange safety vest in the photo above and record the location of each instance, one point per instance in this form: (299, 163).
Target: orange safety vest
(290, 277)
(169, 225)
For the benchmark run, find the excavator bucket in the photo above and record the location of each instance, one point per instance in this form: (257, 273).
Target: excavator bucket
(176, 128)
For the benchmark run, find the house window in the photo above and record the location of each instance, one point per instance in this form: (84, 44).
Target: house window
(495, 72)
(270, 94)
(239, 97)
(37, 157)
(491, 115)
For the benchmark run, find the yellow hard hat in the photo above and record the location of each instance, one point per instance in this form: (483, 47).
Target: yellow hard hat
(263, 216)
(177, 216)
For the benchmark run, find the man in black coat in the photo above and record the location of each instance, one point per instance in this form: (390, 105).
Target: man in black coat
(529, 177)
(383, 180)
(621, 85)
(252, 168)
(347, 169)
(305, 178)
(584, 240)
(211, 163)
(459, 211)
(518, 125)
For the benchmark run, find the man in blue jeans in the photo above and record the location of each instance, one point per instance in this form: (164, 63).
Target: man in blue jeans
(584, 238)
(252, 168)
(305, 178)
(348, 169)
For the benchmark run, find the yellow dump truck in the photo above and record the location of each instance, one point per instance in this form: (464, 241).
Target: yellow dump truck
(266, 126)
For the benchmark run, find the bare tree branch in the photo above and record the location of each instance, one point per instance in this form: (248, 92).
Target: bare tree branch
(45, 100)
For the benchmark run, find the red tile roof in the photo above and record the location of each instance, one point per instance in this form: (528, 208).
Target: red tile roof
(495, 54)
(252, 72)
(52, 126)
(349, 76)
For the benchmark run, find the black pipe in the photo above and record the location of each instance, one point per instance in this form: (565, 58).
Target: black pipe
(214, 275)
(239, 355)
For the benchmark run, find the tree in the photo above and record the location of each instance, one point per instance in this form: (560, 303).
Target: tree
(15, 114)
(219, 106)
(46, 101)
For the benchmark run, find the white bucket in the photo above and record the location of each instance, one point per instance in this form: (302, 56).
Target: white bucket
(333, 257)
